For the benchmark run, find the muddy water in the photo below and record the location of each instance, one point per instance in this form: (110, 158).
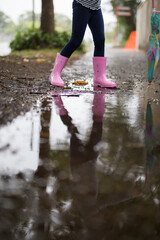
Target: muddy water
(81, 166)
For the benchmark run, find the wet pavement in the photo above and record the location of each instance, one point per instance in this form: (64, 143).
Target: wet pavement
(84, 163)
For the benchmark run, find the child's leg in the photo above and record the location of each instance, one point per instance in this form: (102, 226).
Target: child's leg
(96, 25)
(81, 17)
(79, 23)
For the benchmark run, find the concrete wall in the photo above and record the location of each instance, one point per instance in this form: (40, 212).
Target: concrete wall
(144, 23)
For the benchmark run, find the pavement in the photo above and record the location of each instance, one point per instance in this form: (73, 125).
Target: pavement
(127, 68)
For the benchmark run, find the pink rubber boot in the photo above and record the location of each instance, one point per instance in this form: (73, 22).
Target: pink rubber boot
(55, 76)
(61, 109)
(100, 80)
(98, 108)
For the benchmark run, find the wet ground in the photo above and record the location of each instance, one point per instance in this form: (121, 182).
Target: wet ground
(84, 163)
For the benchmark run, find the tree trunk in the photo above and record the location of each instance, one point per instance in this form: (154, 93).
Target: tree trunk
(47, 16)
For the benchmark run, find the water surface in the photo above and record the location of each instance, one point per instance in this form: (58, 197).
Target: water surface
(81, 166)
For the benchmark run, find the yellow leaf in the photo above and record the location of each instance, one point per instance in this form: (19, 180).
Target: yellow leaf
(79, 83)
(25, 60)
(40, 60)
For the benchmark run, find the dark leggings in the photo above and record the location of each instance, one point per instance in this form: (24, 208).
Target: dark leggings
(81, 17)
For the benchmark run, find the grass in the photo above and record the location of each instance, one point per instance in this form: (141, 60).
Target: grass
(35, 53)
(43, 53)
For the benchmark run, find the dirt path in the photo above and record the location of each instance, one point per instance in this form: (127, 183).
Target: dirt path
(24, 80)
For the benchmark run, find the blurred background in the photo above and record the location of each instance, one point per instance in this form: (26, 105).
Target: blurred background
(20, 15)
(26, 17)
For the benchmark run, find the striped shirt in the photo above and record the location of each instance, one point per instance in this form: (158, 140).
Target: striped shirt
(92, 4)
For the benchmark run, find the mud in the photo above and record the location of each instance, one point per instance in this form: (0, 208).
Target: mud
(24, 80)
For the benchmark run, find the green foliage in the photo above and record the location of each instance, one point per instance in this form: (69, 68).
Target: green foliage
(125, 27)
(24, 26)
(28, 16)
(7, 26)
(110, 32)
(62, 22)
(35, 39)
(25, 21)
(128, 23)
(4, 20)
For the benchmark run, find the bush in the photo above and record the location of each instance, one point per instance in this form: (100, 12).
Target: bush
(35, 39)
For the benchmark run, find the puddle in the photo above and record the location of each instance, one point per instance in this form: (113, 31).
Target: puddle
(81, 166)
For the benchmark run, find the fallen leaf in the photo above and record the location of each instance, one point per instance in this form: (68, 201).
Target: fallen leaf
(40, 60)
(79, 83)
(25, 60)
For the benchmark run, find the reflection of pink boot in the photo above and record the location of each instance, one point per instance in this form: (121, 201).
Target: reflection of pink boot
(98, 108)
(100, 80)
(55, 76)
(60, 106)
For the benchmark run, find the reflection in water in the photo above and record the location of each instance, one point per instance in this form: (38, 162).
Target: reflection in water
(84, 181)
(83, 156)
(152, 145)
(19, 142)
(4, 48)
(42, 178)
(83, 160)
